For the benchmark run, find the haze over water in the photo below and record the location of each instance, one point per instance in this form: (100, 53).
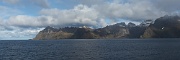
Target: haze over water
(83, 49)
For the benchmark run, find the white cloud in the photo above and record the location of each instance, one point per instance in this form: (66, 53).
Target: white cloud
(18, 33)
(94, 15)
(80, 14)
(129, 10)
(29, 21)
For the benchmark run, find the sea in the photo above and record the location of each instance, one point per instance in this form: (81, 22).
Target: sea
(91, 49)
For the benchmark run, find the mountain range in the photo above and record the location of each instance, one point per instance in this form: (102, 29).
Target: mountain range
(163, 27)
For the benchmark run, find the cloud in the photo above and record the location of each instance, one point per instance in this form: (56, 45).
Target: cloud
(93, 16)
(98, 13)
(90, 2)
(167, 5)
(27, 3)
(129, 10)
(11, 1)
(26, 21)
(6, 12)
(92, 13)
(18, 33)
(79, 16)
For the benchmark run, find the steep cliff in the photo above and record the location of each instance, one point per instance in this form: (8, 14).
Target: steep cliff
(50, 33)
(164, 27)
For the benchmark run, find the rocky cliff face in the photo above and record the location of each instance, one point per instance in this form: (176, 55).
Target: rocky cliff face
(164, 27)
(118, 30)
(50, 33)
(85, 33)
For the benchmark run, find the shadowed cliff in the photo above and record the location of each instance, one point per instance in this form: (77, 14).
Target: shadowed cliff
(164, 27)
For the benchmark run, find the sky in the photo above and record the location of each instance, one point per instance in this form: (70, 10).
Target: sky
(23, 19)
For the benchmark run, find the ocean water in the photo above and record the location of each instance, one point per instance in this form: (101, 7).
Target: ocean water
(91, 49)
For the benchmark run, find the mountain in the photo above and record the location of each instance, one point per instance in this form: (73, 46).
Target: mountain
(119, 30)
(164, 27)
(50, 33)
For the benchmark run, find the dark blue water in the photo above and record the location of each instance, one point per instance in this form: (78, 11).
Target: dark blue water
(126, 49)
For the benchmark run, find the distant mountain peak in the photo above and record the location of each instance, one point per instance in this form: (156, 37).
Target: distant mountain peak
(49, 27)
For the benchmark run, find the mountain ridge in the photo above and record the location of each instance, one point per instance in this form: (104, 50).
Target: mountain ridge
(119, 30)
(163, 27)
